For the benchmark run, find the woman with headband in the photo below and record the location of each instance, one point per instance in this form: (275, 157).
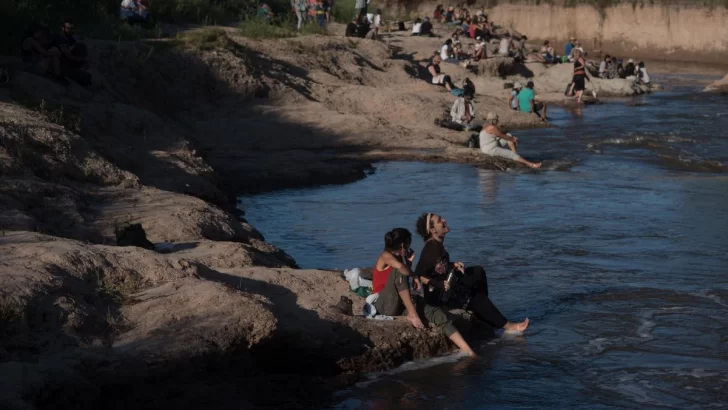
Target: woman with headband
(390, 288)
(470, 292)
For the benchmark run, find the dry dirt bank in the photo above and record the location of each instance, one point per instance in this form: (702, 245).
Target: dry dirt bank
(224, 318)
(648, 30)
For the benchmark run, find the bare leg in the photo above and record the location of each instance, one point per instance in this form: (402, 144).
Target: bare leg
(543, 112)
(578, 96)
(529, 164)
(512, 146)
(404, 294)
(516, 327)
(457, 338)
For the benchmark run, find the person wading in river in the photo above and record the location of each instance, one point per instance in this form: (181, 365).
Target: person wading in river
(469, 291)
(391, 285)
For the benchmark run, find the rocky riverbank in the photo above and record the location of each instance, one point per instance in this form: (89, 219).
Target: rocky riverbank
(222, 318)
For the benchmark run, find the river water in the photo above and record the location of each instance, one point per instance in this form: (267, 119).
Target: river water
(620, 262)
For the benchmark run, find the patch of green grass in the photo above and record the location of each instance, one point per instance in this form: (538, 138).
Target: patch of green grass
(118, 291)
(259, 29)
(206, 38)
(66, 116)
(343, 11)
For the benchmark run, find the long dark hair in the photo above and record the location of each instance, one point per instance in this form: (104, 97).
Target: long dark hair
(396, 238)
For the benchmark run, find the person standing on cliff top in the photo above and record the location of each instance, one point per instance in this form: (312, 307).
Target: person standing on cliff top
(361, 8)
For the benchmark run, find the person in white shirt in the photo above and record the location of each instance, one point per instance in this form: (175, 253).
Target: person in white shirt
(378, 18)
(416, 27)
(642, 75)
(504, 48)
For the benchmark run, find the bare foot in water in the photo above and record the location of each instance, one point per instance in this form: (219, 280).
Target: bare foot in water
(536, 165)
(517, 327)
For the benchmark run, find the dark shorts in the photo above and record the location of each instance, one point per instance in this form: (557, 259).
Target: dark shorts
(537, 107)
(579, 84)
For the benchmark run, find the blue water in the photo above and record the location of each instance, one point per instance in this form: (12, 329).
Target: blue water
(620, 263)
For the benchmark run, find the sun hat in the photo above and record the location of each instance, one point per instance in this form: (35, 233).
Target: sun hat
(491, 116)
(630, 61)
(517, 86)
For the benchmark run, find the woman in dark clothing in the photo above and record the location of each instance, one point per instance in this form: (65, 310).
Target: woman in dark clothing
(469, 292)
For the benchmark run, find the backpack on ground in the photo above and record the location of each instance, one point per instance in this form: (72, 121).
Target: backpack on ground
(474, 141)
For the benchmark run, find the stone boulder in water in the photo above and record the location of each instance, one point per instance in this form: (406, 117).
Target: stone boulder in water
(551, 79)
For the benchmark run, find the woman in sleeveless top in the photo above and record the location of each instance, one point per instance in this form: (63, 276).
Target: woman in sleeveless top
(390, 286)
(437, 77)
(493, 142)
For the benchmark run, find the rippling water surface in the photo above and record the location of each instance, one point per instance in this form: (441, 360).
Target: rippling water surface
(621, 262)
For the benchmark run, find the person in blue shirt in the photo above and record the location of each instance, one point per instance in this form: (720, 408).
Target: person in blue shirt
(569, 46)
(527, 102)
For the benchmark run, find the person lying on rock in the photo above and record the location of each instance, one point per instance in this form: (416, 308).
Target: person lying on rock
(437, 77)
(390, 281)
(468, 289)
(493, 142)
(527, 102)
(39, 54)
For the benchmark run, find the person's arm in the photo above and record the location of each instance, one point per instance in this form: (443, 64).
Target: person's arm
(67, 53)
(495, 131)
(510, 101)
(35, 45)
(396, 263)
(531, 102)
(432, 71)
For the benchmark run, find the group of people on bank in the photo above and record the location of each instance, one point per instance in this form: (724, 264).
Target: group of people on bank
(443, 283)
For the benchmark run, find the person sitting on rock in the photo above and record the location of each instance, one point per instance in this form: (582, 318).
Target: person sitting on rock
(426, 28)
(493, 142)
(548, 54)
(416, 26)
(527, 102)
(480, 49)
(439, 12)
(40, 56)
(513, 98)
(134, 12)
(366, 30)
(74, 55)
(466, 289)
(504, 47)
(462, 115)
(437, 77)
(390, 284)
(604, 67)
(447, 54)
(352, 29)
(642, 76)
